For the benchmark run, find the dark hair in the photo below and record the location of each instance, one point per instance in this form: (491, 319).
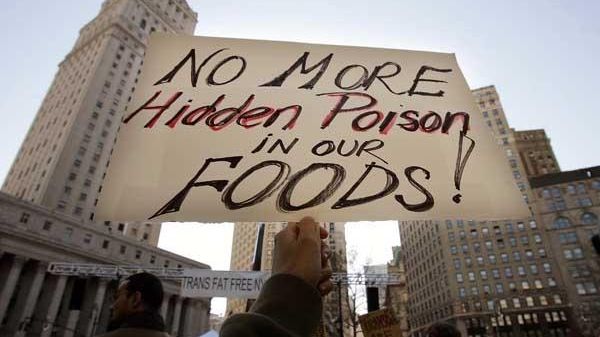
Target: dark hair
(443, 329)
(149, 287)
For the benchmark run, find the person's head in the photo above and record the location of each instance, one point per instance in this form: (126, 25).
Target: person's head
(442, 329)
(138, 293)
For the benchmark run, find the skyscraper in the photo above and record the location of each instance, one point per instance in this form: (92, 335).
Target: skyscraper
(486, 276)
(63, 159)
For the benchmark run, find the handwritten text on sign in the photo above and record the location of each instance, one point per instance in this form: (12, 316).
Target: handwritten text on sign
(242, 130)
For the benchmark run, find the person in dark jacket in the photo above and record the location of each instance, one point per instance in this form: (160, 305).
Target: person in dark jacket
(442, 329)
(290, 302)
(136, 308)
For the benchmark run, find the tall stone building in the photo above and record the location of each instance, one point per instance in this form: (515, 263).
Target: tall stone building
(568, 205)
(535, 152)
(63, 159)
(488, 277)
(242, 255)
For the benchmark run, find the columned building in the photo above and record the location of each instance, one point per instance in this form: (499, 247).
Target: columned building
(35, 302)
(62, 161)
(568, 205)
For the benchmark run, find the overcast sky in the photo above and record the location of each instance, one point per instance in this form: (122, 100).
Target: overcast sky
(541, 56)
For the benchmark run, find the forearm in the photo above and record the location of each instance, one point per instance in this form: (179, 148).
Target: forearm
(286, 306)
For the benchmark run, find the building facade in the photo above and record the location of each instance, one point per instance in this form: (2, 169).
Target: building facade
(242, 257)
(34, 302)
(396, 295)
(568, 205)
(535, 152)
(489, 277)
(62, 161)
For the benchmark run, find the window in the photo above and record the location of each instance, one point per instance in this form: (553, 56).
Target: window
(123, 249)
(105, 244)
(457, 263)
(521, 271)
(577, 253)
(121, 227)
(589, 218)
(513, 241)
(547, 267)
(68, 232)
(542, 252)
(524, 240)
(496, 273)
(480, 260)
(499, 288)
(529, 301)
(138, 254)
(47, 225)
(24, 217)
(534, 269)
(483, 275)
(590, 287)
(504, 258)
(537, 238)
(459, 277)
(471, 276)
(152, 259)
(551, 282)
(568, 254)
(580, 288)
(562, 222)
(538, 284)
(516, 303)
(525, 285)
(517, 256)
(453, 250)
(87, 238)
(492, 259)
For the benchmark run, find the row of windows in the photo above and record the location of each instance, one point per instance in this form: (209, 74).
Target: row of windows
(505, 258)
(484, 275)
(500, 244)
(587, 218)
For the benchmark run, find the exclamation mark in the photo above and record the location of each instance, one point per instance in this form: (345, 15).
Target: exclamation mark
(461, 163)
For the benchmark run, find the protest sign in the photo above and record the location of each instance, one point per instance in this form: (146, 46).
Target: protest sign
(380, 323)
(213, 283)
(244, 130)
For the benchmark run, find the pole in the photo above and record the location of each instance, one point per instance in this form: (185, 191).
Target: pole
(340, 315)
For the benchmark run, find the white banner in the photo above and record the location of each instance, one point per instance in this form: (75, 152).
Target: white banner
(214, 283)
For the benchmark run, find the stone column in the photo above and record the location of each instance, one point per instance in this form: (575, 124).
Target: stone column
(165, 306)
(96, 307)
(176, 317)
(71, 323)
(9, 286)
(57, 298)
(30, 301)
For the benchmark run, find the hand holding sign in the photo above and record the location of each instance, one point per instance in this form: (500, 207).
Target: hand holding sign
(242, 130)
(299, 252)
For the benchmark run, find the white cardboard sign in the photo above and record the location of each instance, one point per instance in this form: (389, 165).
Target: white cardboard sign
(214, 283)
(244, 130)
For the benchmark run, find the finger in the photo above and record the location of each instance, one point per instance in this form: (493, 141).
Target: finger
(323, 233)
(325, 287)
(325, 254)
(309, 229)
